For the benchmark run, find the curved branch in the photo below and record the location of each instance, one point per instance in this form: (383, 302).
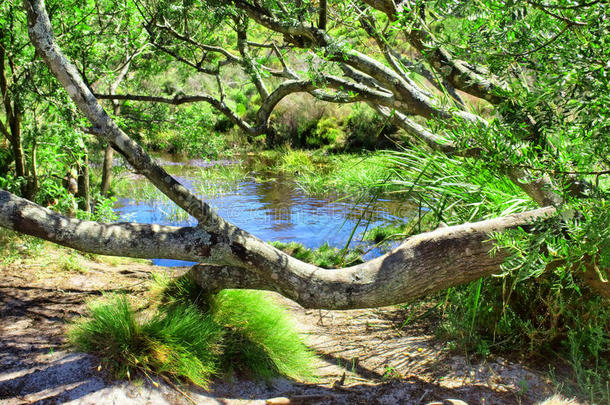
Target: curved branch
(360, 92)
(412, 270)
(219, 105)
(209, 48)
(116, 239)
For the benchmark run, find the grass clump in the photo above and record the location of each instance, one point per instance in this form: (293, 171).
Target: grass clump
(325, 256)
(261, 339)
(193, 336)
(383, 233)
(179, 342)
(354, 175)
(15, 246)
(296, 161)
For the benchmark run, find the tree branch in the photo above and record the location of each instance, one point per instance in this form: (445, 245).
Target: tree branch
(412, 270)
(117, 239)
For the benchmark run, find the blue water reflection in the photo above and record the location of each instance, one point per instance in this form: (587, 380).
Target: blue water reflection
(276, 209)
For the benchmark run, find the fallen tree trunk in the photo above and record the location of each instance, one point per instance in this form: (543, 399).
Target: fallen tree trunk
(423, 264)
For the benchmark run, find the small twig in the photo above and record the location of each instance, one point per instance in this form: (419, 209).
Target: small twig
(547, 43)
(174, 386)
(591, 173)
(559, 17)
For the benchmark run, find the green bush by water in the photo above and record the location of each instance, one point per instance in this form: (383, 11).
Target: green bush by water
(325, 256)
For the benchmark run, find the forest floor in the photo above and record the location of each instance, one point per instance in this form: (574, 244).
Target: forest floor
(365, 356)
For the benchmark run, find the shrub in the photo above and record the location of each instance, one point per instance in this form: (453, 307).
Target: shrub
(295, 119)
(364, 127)
(328, 132)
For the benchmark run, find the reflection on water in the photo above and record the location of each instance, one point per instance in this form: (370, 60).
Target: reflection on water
(276, 210)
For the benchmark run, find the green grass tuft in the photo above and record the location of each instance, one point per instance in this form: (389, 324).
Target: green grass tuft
(180, 342)
(261, 338)
(325, 256)
(193, 336)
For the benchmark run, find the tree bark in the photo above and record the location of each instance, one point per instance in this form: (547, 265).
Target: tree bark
(107, 170)
(83, 184)
(323, 15)
(423, 264)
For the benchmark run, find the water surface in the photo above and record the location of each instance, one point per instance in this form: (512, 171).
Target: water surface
(273, 208)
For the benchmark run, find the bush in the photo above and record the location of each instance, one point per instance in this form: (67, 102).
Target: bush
(365, 127)
(328, 132)
(295, 120)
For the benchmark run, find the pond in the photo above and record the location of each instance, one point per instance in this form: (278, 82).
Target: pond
(270, 206)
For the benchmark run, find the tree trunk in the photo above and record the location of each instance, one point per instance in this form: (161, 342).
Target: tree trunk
(240, 260)
(33, 179)
(83, 193)
(13, 122)
(107, 170)
(109, 152)
(323, 15)
(19, 155)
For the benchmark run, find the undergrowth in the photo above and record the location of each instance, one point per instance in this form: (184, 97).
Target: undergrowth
(540, 305)
(193, 337)
(325, 256)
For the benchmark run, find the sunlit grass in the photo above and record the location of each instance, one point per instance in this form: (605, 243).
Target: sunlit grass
(325, 256)
(179, 342)
(260, 338)
(193, 336)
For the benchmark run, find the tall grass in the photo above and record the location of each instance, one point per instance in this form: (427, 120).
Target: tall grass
(179, 342)
(454, 190)
(193, 336)
(260, 339)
